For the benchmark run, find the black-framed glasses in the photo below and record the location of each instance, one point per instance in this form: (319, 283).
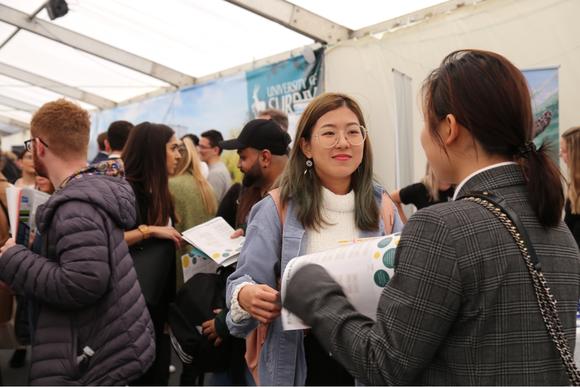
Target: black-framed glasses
(329, 137)
(28, 143)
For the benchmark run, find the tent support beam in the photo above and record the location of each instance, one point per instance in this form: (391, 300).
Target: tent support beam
(94, 47)
(17, 104)
(297, 19)
(14, 123)
(56, 87)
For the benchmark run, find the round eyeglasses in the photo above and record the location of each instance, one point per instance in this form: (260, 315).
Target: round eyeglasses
(329, 137)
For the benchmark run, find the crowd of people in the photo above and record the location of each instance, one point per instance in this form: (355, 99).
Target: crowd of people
(487, 270)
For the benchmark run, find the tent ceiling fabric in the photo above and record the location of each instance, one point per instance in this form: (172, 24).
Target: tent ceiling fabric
(105, 52)
(297, 19)
(356, 14)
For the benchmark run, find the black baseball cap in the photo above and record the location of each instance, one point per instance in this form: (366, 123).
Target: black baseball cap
(260, 134)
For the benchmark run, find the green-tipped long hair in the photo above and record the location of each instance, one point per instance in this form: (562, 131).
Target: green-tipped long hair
(305, 190)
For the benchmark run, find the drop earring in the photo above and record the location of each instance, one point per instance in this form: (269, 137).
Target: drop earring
(309, 165)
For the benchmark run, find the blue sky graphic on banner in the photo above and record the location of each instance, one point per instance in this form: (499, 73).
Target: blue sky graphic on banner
(224, 104)
(543, 85)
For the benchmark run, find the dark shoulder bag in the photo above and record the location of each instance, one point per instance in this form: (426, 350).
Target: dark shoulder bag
(546, 301)
(153, 259)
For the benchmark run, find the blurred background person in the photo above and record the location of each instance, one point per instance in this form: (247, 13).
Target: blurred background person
(570, 153)
(427, 192)
(202, 164)
(193, 196)
(26, 164)
(195, 203)
(102, 155)
(9, 168)
(278, 116)
(117, 136)
(150, 156)
(209, 150)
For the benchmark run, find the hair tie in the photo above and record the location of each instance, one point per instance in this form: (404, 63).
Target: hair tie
(526, 149)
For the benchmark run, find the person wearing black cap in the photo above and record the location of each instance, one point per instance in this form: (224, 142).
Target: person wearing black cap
(263, 149)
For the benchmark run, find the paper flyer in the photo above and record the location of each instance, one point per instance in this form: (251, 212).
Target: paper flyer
(362, 269)
(213, 238)
(22, 206)
(195, 262)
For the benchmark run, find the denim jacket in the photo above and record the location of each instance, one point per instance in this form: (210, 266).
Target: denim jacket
(282, 361)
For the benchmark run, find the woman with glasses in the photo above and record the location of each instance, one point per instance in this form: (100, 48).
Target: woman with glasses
(328, 194)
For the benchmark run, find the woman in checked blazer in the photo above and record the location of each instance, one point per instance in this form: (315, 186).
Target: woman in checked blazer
(461, 308)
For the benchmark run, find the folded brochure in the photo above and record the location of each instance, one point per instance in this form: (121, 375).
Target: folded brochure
(213, 239)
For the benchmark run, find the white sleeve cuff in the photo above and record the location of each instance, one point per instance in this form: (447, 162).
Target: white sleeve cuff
(237, 312)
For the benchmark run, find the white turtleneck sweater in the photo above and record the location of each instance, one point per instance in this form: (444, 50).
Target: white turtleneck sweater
(338, 212)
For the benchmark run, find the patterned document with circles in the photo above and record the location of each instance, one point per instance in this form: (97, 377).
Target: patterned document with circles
(362, 269)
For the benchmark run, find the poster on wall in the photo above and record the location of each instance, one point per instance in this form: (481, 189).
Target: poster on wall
(226, 104)
(543, 85)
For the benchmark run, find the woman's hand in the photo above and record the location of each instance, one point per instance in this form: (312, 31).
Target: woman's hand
(261, 301)
(165, 232)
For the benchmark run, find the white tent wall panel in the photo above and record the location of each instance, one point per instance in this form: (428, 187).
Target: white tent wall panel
(531, 33)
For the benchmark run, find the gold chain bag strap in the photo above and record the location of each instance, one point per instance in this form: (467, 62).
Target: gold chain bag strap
(546, 300)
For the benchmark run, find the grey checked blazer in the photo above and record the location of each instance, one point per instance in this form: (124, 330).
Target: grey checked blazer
(460, 309)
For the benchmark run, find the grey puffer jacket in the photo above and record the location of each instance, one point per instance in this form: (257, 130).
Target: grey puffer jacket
(85, 286)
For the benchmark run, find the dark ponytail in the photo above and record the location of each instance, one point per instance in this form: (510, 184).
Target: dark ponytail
(544, 185)
(489, 96)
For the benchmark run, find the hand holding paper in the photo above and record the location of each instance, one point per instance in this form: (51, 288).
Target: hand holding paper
(213, 238)
(361, 269)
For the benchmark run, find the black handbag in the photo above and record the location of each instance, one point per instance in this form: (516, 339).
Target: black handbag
(154, 261)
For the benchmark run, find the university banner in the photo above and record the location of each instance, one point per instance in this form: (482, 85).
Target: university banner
(288, 86)
(226, 104)
(543, 84)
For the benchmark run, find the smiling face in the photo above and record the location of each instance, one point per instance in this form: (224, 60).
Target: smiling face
(337, 163)
(173, 155)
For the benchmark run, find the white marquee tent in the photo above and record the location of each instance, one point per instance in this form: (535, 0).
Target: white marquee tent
(105, 52)
(109, 53)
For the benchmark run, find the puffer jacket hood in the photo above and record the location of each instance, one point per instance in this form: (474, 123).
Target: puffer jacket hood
(101, 185)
